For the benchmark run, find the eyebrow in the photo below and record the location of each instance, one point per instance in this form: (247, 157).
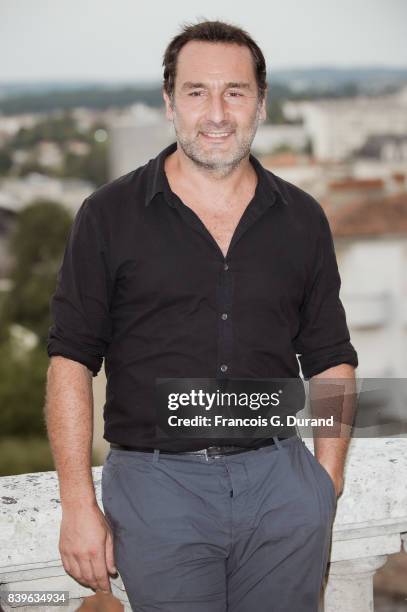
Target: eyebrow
(231, 84)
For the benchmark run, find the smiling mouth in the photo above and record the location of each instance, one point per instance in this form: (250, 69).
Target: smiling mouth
(216, 135)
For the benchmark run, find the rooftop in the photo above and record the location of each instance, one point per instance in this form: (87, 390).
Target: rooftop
(368, 217)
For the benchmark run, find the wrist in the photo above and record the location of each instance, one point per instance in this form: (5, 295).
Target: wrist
(334, 470)
(78, 503)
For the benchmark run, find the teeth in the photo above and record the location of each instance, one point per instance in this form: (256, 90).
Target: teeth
(216, 134)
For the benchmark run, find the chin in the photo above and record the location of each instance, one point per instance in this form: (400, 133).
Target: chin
(217, 161)
(217, 156)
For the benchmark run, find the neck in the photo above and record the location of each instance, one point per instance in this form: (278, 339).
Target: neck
(218, 185)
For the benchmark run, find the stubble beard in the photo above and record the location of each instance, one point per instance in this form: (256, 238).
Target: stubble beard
(218, 164)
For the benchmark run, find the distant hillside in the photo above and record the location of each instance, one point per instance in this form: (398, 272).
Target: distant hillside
(97, 97)
(17, 88)
(368, 79)
(288, 83)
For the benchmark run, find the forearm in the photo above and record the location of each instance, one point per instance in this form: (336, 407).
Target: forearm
(69, 420)
(331, 451)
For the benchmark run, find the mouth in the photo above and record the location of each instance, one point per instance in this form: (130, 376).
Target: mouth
(216, 136)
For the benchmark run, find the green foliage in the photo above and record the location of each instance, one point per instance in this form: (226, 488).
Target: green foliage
(36, 247)
(22, 389)
(27, 455)
(6, 161)
(23, 456)
(57, 129)
(91, 167)
(275, 113)
(24, 445)
(308, 147)
(89, 97)
(61, 129)
(283, 148)
(33, 166)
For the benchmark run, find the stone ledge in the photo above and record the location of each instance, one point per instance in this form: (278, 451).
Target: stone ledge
(370, 522)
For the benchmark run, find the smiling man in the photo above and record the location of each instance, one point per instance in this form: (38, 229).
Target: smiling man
(219, 141)
(199, 265)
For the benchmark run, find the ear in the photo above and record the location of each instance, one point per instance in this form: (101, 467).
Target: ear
(169, 113)
(263, 107)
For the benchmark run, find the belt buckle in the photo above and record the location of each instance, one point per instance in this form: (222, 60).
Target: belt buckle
(214, 455)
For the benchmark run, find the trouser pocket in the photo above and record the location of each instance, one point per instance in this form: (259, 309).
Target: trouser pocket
(322, 475)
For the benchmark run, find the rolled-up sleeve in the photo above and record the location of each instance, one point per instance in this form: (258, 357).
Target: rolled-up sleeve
(79, 307)
(323, 340)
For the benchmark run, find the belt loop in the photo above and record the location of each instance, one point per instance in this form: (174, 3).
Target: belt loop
(277, 442)
(156, 455)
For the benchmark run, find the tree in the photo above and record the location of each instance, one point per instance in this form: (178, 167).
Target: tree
(57, 129)
(6, 161)
(36, 248)
(22, 384)
(91, 167)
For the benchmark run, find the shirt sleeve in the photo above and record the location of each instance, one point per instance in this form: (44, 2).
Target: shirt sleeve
(81, 322)
(323, 339)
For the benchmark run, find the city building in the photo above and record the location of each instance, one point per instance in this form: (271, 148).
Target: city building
(339, 127)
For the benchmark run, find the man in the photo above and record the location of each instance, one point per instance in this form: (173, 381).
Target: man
(200, 264)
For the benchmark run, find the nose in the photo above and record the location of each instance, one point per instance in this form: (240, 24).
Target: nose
(216, 108)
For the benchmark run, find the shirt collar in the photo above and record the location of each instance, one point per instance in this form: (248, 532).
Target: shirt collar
(158, 182)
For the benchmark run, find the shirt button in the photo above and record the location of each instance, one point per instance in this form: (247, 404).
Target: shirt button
(223, 367)
(224, 316)
(226, 266)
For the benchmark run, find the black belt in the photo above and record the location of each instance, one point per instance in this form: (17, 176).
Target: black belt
(211, 451)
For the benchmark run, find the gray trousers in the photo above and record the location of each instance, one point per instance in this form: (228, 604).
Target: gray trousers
(240, 533)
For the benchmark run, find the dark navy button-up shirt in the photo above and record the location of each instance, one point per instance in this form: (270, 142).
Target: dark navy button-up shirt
(145, 286)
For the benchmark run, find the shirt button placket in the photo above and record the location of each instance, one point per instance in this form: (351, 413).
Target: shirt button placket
(224, 305)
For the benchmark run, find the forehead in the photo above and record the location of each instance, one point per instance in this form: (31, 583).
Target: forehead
(209, 61)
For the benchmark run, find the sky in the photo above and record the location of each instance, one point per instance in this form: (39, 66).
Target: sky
(118, 40)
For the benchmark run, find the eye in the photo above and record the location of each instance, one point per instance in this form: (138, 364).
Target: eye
(235, 94)
(195, 94)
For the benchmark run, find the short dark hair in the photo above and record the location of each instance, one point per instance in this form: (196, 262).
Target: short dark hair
(216, 32)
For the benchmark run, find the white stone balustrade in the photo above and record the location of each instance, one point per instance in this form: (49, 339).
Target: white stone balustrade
(370, 523)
